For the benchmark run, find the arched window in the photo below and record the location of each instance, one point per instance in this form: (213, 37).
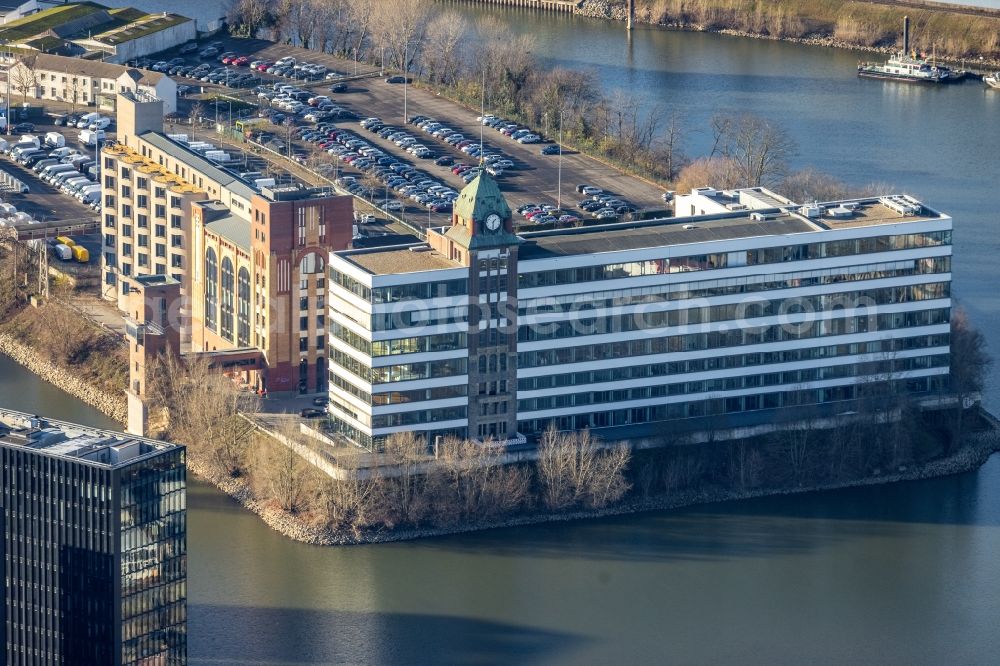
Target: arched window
(228, 289)
(493, 362)
(211, 289)
(311, 263)
(243, 308)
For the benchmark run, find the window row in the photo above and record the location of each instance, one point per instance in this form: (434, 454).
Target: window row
(733, 338)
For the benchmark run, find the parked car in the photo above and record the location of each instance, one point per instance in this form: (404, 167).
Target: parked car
(554, 149)
(397, 79)
(311, 413)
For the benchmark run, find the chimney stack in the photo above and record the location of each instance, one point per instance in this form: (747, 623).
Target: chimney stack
(906, 34)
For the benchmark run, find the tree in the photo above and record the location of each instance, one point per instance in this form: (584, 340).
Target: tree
(759, 149)
(405, 499)
(23, 77)
(669, 148)
(279, 470)
(573, 470)
(719, 172)
(248, 17)
(195, 115)
(810, 185)
(970, 364)
(442, 52)
(205, 410)
(75, 91)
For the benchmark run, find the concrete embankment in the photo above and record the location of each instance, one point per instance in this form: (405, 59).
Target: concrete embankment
(114, 406)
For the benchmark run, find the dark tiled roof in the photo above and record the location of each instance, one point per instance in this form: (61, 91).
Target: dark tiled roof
(93, 68)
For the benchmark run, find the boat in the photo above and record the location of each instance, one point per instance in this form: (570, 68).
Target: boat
(992, 80)
(907, 67)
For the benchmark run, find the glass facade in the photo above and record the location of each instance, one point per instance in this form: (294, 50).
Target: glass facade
(154, 560)
(93, 557)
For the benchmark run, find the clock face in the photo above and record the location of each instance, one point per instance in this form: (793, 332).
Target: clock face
(493, 222)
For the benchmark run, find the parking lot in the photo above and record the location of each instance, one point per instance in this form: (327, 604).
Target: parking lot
(44, 202)
(534, 178)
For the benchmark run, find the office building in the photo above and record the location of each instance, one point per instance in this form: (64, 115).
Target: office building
(249, 256)
(94, 546)
(637, 326)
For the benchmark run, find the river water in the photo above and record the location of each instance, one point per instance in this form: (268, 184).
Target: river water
(899, 574)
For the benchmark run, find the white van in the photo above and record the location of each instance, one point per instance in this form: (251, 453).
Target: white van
(55, 140)
(89, 193)
(99, 124)
(87, 118)
(50, 172)
(91, 137)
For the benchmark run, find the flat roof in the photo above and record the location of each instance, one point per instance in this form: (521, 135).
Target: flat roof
(872, 213)
(656, 233)
(181, 152)
(892, 209)
(59, 439)
(392, 260)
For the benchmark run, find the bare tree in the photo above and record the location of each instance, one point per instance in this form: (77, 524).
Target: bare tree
(442, 52)
(758, 148)
(75, 91)
(719, 172)
(970, 364)
(279, 471)
(811, 185)
(670, 146)
(248, 17)
(195, 115)
(405, 497)
(24, 78)
(573, 470)
(206, 410)
(399, 28)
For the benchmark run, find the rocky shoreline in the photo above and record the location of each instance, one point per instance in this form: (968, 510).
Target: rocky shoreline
(972, 455)
(602, 9)
(116, 407)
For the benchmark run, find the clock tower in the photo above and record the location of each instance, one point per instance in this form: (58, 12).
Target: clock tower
(482, 237)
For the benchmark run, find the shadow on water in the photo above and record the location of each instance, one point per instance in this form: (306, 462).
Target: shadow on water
(337, 637)
(758, 528)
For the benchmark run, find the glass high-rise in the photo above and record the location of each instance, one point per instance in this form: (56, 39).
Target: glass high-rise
(94, 546)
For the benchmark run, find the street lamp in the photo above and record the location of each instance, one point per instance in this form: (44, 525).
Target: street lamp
(559, 181)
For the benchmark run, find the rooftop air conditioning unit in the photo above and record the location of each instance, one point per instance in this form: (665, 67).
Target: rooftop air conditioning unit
(810, 210)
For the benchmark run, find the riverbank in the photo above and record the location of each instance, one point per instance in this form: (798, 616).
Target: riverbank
(953, 32)
(115, 407)
(974, 452)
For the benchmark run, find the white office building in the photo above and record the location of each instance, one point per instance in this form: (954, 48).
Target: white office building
(638, 327)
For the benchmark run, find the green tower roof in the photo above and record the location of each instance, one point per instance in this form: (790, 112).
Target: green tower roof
(480, 198)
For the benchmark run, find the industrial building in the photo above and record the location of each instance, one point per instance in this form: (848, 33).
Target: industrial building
(742, 314)
(93, 546)
(249, 257)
